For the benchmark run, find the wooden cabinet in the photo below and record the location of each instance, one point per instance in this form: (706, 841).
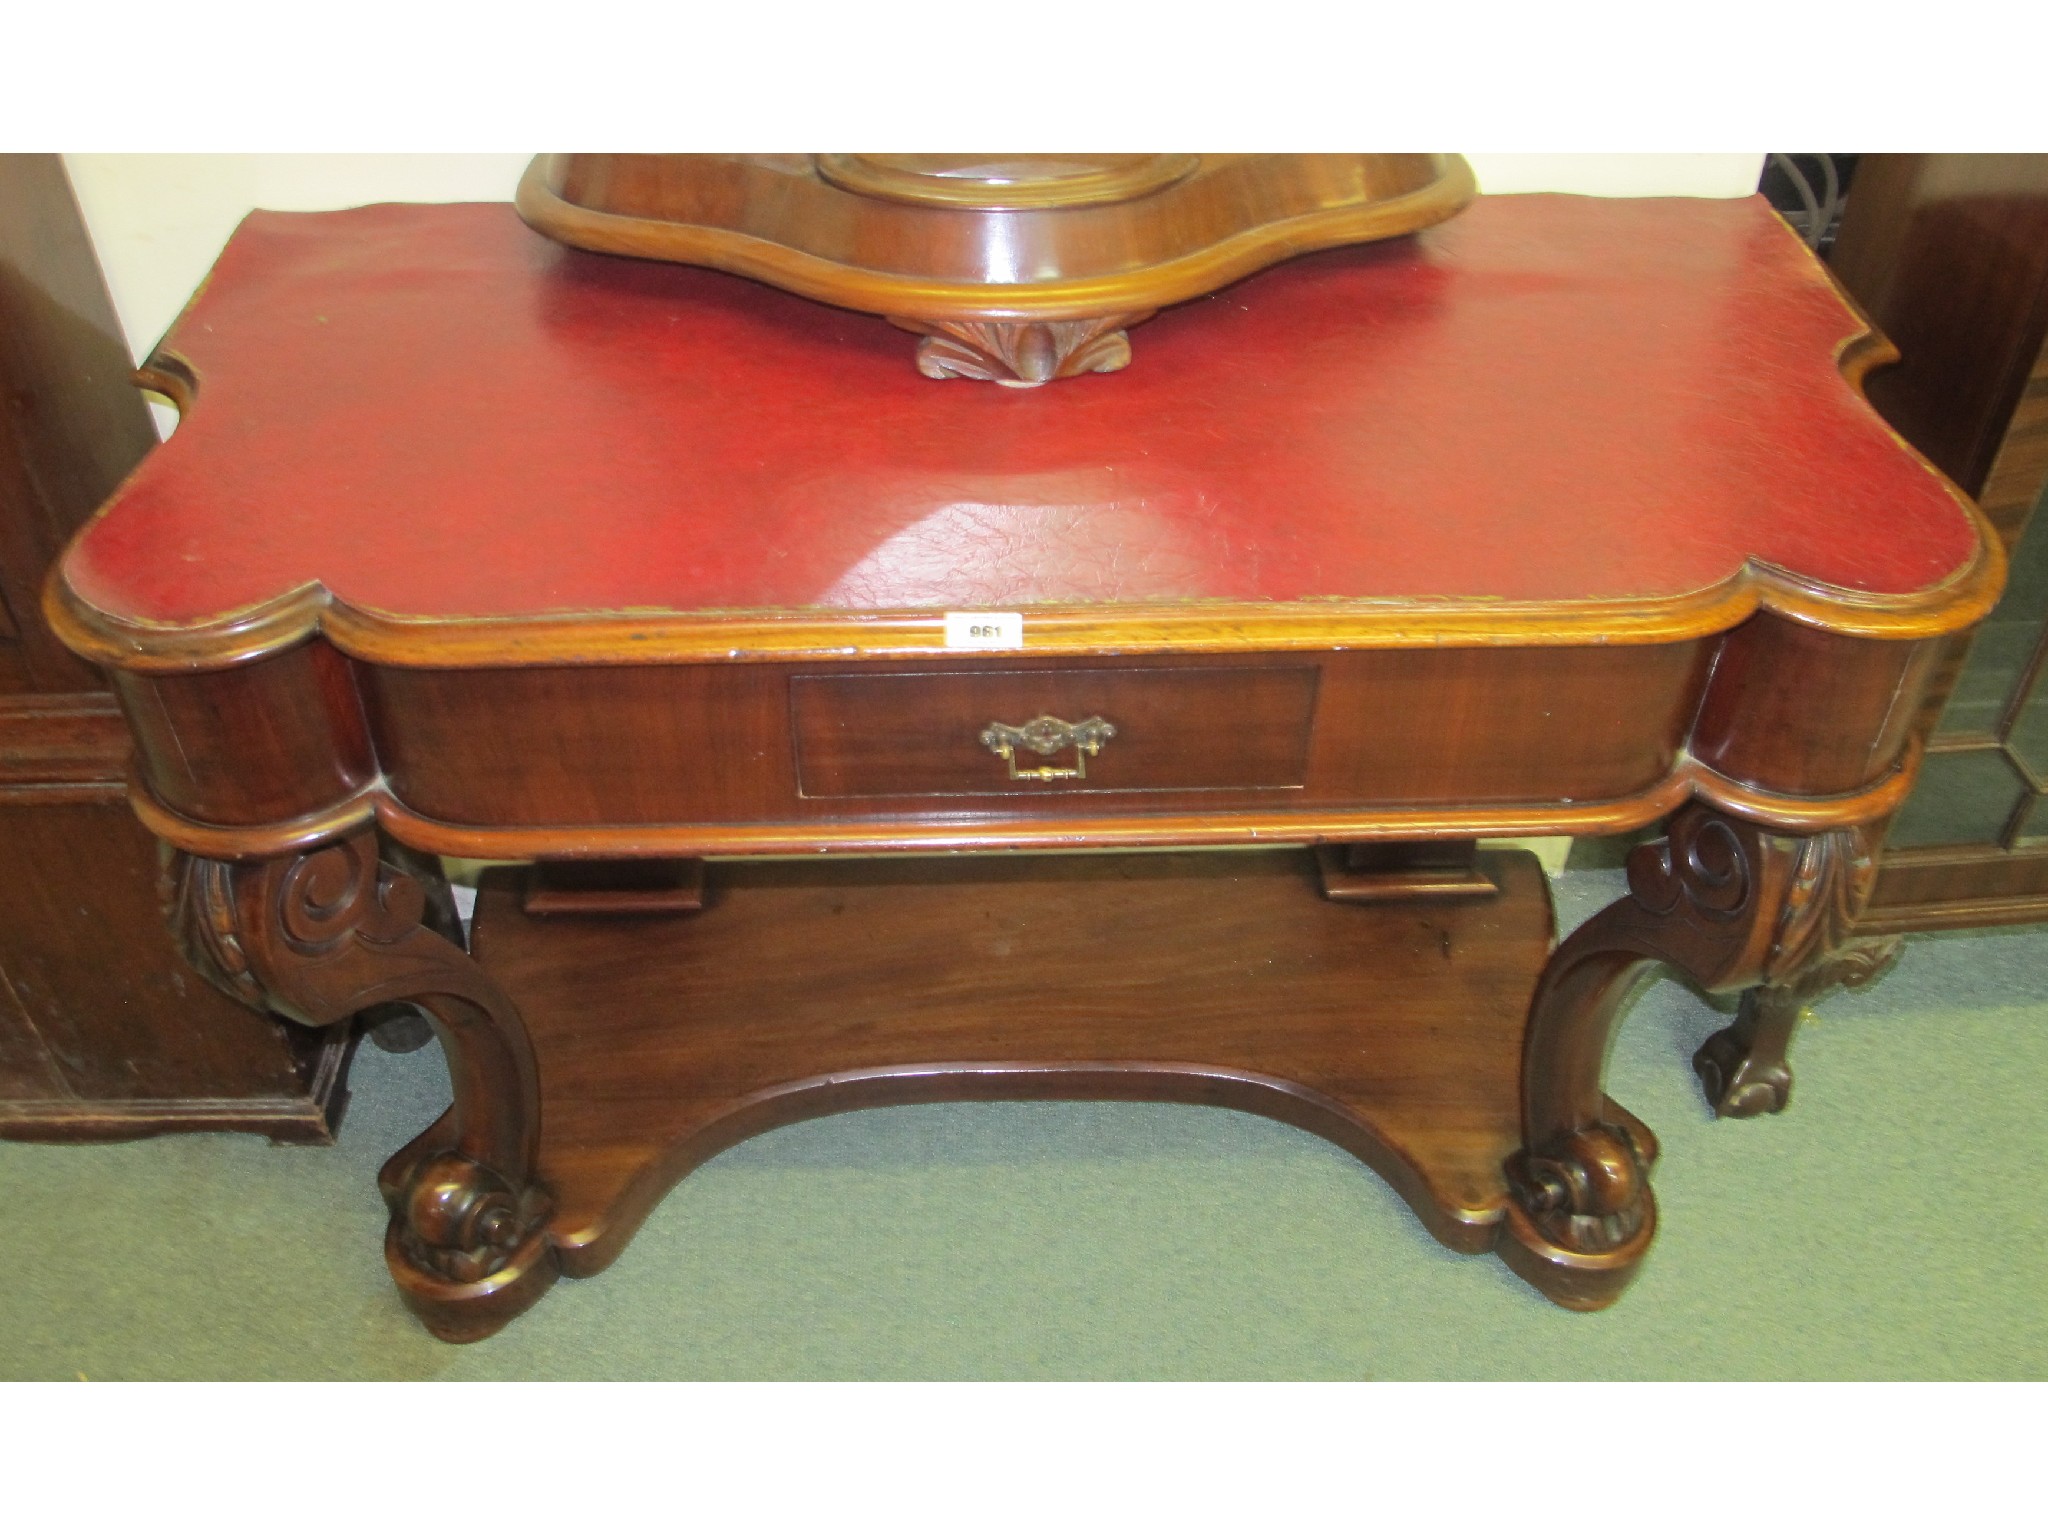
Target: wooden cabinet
(104, 1031)
(1949, 254)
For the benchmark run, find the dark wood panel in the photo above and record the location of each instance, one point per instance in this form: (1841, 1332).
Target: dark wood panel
(2019, 470)
(1440, 727)
(70, 426)
(1949, 254)
(256, 743)
(1783, 695)
(88, 958)
(619, 746)
(584, 746)
(805, 988)
(1958, 888)
(61, 743)
(920, 733)
(27, 1069)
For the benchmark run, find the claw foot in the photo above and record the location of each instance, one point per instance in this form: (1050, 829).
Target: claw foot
(1738, 1084)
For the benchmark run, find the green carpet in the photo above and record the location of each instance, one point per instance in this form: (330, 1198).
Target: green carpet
(1880, 1228)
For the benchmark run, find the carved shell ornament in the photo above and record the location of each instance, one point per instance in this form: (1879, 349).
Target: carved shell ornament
(1014, 269)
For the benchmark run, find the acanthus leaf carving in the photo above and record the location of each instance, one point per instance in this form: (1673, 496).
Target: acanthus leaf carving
(1021, 351)
(1831, 881)
(198, 901)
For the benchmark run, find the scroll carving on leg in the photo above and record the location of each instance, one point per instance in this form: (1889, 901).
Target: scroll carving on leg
(1730, 904)
(321, 936)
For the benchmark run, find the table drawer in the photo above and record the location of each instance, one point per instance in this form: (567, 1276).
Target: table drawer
(1150, 728)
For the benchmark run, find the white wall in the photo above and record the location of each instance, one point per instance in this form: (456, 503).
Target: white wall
(1621, 175)
(160, 220)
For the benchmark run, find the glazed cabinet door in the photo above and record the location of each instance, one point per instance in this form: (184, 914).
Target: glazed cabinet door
(1949, 253)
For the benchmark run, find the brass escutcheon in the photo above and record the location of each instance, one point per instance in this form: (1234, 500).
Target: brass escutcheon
(1045, 736)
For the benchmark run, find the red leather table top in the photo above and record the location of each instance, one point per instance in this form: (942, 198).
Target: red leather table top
(433, 412)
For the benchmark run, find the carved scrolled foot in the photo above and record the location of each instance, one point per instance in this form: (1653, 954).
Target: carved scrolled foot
(459, 1219)
(1021, 352)
(469, 1252)
(1582, 1215)
(1586, 1191)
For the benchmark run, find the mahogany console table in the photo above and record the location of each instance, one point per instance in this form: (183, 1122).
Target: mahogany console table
(1561, 517)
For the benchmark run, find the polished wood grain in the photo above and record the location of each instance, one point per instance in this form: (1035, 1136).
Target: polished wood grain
(890, 735)
(993, 183)
(807, 988)
(1402, 743)
(56, 747)
(1018, 269)
(1925, 889)
(1775, 682)
(929, 833)
(249, 742)
(967, 237)
(2012, 486)
(613, 888)
(1439, 871)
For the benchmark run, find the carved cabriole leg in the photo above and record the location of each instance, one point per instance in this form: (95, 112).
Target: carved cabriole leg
(321, 936)
(1730, 904)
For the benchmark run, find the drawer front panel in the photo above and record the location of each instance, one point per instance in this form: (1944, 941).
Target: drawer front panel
(1184, 728)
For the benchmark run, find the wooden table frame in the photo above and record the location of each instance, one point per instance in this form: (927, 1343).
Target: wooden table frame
(302, 753)
(309, 913)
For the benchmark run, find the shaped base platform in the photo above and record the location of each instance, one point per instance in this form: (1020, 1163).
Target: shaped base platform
(804, 988)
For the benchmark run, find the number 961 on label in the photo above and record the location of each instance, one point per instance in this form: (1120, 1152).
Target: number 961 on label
(984, 631)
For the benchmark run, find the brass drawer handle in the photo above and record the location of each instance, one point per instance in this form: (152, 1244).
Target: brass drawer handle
(1045, 736)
